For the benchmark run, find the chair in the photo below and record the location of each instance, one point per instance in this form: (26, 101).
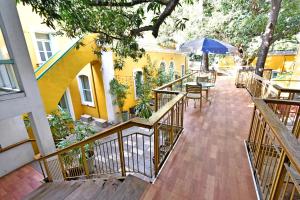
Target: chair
(194, 92)
(203, 79)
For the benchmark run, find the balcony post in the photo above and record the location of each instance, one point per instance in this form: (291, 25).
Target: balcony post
(121, 150)
(172, 129)
(156, 150)
(84, 161)
(156, 101)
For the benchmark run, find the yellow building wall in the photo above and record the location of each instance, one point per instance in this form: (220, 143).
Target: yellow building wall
(96, 84)
(227, 62)
(278, 62)
(156, 58)
(31, 24)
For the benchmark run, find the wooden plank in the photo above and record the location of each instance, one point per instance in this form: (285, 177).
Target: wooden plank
(131, 189)
(109, 187)
(87, 190)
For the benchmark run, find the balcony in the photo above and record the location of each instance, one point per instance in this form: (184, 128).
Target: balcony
(192, 153)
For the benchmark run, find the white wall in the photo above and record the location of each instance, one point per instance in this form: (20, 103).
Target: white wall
(108, 74)
(13, 130)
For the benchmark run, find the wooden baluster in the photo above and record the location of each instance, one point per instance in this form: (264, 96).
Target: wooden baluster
(61, 162)
(121, 150)
(278, 180)
(47, 170)
(84, 161)
(172, 129)
(156, 150)
(182, 106)
(156, 101)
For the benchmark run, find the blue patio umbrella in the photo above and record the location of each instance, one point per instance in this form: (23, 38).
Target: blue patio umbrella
(207, 45)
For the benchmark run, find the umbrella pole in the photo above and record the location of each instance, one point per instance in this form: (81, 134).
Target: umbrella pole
(205, 61)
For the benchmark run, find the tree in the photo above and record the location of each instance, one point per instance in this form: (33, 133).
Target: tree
(239, 22)
(118, 23)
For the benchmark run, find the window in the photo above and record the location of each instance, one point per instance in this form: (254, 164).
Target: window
(171, 70)
(85, 90)
(138, 81)
(162, 66)
(182, 70)
(44, 46)
(8, 81)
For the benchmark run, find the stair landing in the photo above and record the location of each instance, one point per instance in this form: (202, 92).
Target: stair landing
(131, 188)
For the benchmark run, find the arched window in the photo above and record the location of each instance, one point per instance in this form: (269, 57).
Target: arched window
(171, 70)
(162, 66)
(138, 81)
(85, 90)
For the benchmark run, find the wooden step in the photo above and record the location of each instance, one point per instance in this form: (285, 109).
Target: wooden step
(109, 187)
(131, 189)
(87, 190)
(53, 191)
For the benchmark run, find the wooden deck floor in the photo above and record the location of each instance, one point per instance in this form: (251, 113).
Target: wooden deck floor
(19, 183)
(209, 161)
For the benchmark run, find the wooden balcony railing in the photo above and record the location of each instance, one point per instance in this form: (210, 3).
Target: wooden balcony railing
(274, 151)
(262, 88)
(138, 146)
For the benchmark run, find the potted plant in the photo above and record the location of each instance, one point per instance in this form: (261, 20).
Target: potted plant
(119, 91)
(61, 125)
(71, 158)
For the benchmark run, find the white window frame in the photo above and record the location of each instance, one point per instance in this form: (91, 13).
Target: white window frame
(172, 61)
(37, 51)
(83, 101)
(134, 85)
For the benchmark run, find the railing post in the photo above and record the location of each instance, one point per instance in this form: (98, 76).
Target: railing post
(172, 129)
(156, 150)
(182, 114)
(156, 100)
(61, 162)
(278, 180)
(47, 170)
(84, 161)
(121, 150)
(252, 121)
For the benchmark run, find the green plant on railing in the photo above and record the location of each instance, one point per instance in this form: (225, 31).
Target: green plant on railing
(61, 124)
(143, 108)
(119, 91)
(82, 132)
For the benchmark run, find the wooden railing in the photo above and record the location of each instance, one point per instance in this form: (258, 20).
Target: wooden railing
(262, 88)
(138, 146)
(274, 153)
(166, 92)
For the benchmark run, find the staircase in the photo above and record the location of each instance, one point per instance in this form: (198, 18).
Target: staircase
(94, 189)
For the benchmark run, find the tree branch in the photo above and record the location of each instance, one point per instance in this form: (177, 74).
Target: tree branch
(167, 12)
(125, 4)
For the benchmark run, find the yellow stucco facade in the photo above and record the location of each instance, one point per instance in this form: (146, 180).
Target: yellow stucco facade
(60, 72)
(156, 57)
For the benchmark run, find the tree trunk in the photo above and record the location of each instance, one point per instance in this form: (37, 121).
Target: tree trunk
(267, 38)
(205, 61)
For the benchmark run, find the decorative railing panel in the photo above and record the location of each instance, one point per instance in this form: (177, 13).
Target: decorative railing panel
(274, 154)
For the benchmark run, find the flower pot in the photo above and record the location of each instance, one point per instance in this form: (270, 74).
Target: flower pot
(125, 116)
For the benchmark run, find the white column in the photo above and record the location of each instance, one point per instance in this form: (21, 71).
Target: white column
(32, 102)
(108, 74)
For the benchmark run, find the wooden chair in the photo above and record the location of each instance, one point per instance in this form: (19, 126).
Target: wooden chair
(193, 92)
(203, 79)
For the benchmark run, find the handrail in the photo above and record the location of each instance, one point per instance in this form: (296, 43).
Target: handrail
(15, 145)
(173, 82)
(288, 142)
(145, 123)
(272, 84)
(281, 101)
